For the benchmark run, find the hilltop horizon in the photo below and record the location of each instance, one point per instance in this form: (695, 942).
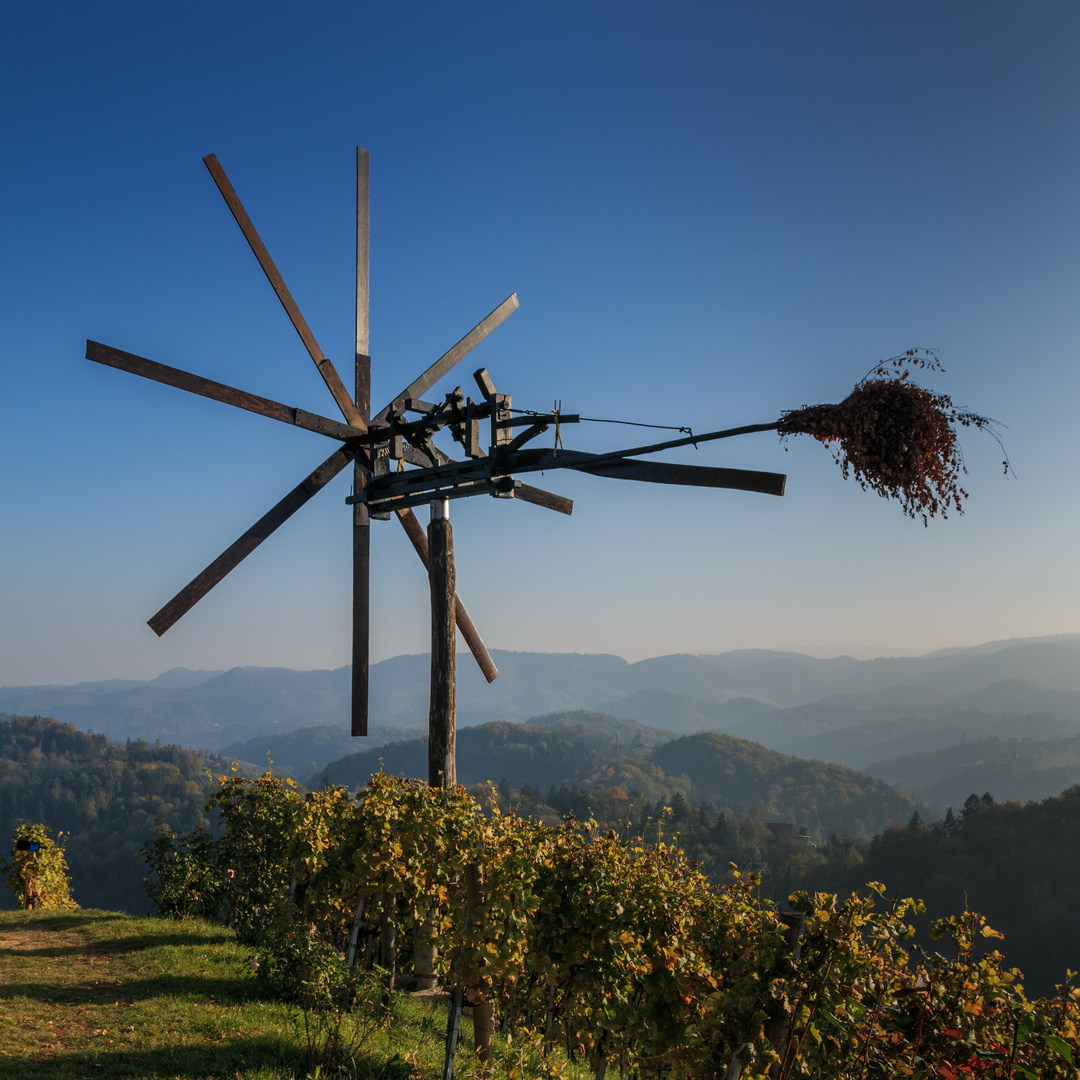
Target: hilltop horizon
(179, 676)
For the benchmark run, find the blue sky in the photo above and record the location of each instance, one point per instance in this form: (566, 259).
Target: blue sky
(711, 212)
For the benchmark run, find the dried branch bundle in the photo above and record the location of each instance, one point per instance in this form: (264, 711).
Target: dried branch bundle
(896, 438)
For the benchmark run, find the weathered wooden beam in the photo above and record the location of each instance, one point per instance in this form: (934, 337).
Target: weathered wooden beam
(442, 711)
(548, 500)
(452, 356)
(459, 478)
(665, 472)
(484, 383)
(233, 555)
(361, 568)
(471, 431)
(208, 388)
(326, 369)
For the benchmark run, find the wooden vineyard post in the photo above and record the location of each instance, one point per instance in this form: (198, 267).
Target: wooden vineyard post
(482, 1015)
(778, 1028)
(424, 953)
(442, 713)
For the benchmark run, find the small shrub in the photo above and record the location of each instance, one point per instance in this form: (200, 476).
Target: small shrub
(338, 1008)
(188, 877)
(38, 871)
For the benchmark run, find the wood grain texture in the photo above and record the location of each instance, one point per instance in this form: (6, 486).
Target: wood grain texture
(208, 388)
(547, 499)
(442, 710)
(361, 568)
(664, 472)
(445, 362)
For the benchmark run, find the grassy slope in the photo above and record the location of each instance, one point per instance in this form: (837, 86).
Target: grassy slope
(92, 993)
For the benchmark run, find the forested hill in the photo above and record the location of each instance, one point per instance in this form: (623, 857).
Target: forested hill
(564, 748)
(1015, 864)
(744, 775)
(104, 796)
(590, 752)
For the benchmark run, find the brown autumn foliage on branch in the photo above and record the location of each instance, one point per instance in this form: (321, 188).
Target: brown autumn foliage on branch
(895, 437)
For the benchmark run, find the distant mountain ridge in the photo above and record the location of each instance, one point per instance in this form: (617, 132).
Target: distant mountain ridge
(851, 712)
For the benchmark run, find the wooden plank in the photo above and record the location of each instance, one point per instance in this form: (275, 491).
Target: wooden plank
(664, 472)
(383, 506)
(325, 368)
(442, 481)
(314, 422)
(229, 559)
(483, 381)
(452, 356)
(501, 432)
(442, 708)
(361, 569)
(471, 434)
(415, 532)
(656, 472)
(363, 254)
(548, 500)
(208, 388)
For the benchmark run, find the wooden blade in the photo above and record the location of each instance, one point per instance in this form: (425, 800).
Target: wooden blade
(229, 559)
(449, 359)
(326, 369)
(363, 246)
(415, 532)
(546, 499)
(663, 472)
(361, 575)
(196, 384)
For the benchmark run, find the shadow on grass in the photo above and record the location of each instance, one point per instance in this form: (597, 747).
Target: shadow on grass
(224, 991)
(93, 923)
(198, 1062)
(204, 1061)
(117, 945)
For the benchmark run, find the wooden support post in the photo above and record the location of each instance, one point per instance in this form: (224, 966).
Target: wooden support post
(442, 713)
(388, 940)
(424, 953)
(355, 932)
(778, 1026)
(483, 1024)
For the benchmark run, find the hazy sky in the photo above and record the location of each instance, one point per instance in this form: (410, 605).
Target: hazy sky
(711, 212)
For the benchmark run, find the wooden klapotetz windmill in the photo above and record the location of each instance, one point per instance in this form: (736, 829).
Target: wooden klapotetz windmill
(402, 433)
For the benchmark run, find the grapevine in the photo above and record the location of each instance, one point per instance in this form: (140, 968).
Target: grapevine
(622, 953)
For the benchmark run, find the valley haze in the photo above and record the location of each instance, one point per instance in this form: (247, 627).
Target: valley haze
(1008, 711)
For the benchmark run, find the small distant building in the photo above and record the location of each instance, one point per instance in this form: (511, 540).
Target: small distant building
(780, 828)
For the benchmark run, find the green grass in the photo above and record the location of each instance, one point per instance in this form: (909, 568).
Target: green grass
(101, 995)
